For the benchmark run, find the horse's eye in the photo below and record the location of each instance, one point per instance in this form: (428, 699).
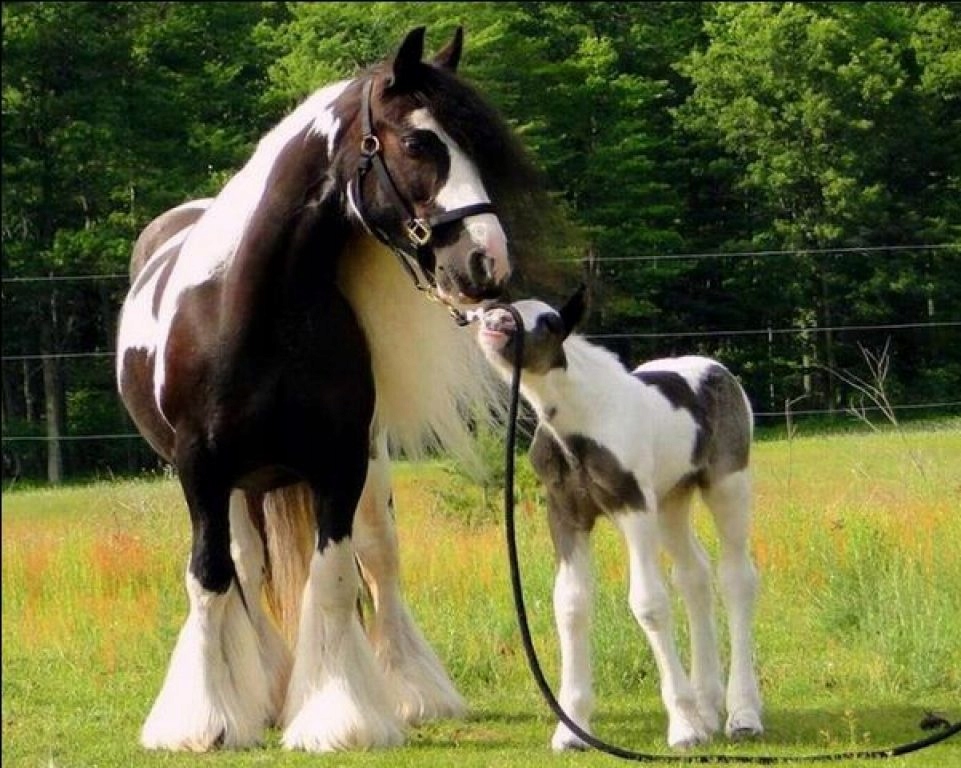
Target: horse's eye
(414, 145)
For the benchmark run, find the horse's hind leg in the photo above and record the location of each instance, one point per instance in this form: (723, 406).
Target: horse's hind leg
(247, 551)
(215, 692)
(422, 689)
(692, 578)
(338, 698)
(729, 500)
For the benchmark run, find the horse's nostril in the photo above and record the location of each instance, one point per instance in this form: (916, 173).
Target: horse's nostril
(480, 266)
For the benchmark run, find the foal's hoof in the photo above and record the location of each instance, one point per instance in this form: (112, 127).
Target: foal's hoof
(687, 735)
(682, 745)
(566, 741)
(742, 726)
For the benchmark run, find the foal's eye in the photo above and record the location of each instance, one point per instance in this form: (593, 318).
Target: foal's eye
(553, 323)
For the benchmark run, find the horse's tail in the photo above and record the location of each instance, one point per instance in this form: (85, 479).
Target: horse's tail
(290, 533)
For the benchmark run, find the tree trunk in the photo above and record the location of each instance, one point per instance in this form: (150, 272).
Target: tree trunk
(54, 393)
(830, 359)
(13, 410)
(53, 399)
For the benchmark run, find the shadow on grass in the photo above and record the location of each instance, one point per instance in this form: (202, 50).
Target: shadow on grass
(789, 732)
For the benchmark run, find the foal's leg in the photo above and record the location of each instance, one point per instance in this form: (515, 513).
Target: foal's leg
(651, 607)
(692, 577)
(730, 503)
(573, 598)
(422, 689)
(216, 691)
(338, 696)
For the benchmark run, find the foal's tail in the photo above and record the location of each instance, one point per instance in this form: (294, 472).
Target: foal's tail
(290, 534)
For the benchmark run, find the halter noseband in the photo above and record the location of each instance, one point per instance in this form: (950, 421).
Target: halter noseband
(419, 231)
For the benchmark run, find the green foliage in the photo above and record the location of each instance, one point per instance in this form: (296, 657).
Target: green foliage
(661, 128)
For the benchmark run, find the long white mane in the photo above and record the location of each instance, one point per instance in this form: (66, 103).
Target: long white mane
(434, 387)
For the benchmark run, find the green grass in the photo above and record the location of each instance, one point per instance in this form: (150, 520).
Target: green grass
(857, 537)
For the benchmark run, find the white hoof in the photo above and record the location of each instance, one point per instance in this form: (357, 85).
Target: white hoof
(564, 740)
(338, 697)
(687, 732)
(425, 700)
(421, 688)
(744, 724)
(216, 692)
(330, 720)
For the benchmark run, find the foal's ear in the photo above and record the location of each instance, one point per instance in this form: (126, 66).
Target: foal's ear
(408, 57)
(449, 56)
(573, 310)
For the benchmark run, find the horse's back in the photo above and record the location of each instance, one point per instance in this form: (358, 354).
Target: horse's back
(162, 228)
(705, 391)
(699, 376)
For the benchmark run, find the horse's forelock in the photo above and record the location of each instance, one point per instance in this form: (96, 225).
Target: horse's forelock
(537, 232)
(515, 185)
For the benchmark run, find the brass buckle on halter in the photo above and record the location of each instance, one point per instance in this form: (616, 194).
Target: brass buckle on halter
(418, 231)
(369, 145)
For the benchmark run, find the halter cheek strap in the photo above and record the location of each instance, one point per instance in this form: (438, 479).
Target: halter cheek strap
(416, 250)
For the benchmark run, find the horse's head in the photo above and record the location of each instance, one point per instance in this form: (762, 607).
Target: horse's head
(545, 330)
(420, 185)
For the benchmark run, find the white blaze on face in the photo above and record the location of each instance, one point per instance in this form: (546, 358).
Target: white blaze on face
(462, 188)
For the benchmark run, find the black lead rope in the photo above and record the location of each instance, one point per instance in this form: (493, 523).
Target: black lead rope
(949, 729)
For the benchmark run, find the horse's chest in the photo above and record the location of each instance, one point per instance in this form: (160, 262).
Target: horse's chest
(293, 368)
(585, 474)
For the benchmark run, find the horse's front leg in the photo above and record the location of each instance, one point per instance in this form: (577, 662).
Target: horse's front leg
(338, 697)
(573, 603)
(216, 692)
(652, 609)
(692, 577)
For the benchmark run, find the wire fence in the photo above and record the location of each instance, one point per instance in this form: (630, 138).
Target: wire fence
(936, 406)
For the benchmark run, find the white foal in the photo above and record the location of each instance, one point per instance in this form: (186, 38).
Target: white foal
(634, 446)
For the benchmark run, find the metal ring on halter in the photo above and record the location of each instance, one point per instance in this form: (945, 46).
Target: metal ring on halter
(369, 145)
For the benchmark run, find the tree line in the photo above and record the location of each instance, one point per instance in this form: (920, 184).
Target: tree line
(819, 141)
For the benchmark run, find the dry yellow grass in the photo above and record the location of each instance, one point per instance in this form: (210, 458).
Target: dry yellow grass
(858, 539)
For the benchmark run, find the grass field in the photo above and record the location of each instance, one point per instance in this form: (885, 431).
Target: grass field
(857, 537)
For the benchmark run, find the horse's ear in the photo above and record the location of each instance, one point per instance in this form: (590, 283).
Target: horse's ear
(448, 57)
(408, 57)
(573, 310)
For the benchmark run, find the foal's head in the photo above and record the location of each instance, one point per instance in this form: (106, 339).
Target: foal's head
(545, 330)
(438, 144)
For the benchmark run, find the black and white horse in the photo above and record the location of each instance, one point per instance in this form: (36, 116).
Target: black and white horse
(634, 446)
(275, 346)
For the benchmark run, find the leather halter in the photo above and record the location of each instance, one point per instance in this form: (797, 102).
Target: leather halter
(414, 250)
